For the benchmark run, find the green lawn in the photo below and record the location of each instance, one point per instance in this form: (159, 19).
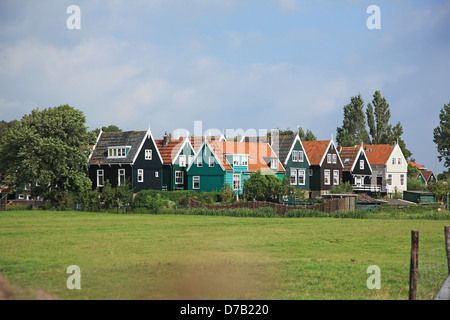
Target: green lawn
(143, 256)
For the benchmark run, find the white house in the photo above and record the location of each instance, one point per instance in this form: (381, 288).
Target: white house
(389, 167)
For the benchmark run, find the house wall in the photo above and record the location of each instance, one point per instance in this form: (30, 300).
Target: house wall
(211, 178)
(397, 170)
(302, 165)
(152, 168)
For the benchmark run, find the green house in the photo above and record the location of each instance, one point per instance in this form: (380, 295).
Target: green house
(228, 162)
(177, 155)
(294, 159)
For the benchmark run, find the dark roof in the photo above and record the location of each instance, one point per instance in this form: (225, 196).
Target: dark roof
(131, 139)
(282, 146)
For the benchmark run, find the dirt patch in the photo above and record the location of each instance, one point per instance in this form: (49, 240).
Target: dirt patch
(216, 281)
(9, 292)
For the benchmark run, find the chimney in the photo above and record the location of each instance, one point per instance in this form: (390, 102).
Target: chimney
(166, 139)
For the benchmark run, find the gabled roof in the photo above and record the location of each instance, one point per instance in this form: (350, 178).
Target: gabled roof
(378, 154)
(171, 150)
(316, 151)
(427, 175)
(349, 155)
(284, 146)
(418, 166)
(260, 154)
(132, 139)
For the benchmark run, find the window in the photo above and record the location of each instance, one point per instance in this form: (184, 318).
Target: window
(301, 177)
(336, 177)
(334, 158)
(293, 177)
(182, 161)
(211, 161)
(273, 164)
(236, 181)
(393, 160)
(20, 197)
(121, 177)
(199, 162)
(399, 161)
(389, 179)
(244, 160)
(235, 160)
(328, 158)
(140, 175)
(156, 174)
(100, 178)
(196, 182)
(179, 178)
(28, 186)
(300, 156)
(148, 154)
(326, 177)
(361, 164)
(311, 172)
(402, 179)
(118, 152)
(190, 159)
(294, 156)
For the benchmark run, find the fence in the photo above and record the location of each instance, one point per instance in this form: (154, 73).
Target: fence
(327, 206)
(430, 279)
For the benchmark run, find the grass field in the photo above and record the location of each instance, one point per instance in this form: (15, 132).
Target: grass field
(144, 256)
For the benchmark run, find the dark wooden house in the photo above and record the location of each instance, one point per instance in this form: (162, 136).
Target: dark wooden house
(131, 156)
(326, 166)
(357, 169)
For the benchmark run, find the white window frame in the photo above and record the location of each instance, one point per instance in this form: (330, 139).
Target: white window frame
(102, 176)
(402, 179)
(294, 156)
(326, 177)
(199, 162)
(393, 161)
(156, 174)
(140, 175)
(311, 172)
(334, 158)
(389, 178)
(236, 182)
(182, 161)
(301, 176)
(273, 164)
(179, 177)
(399, 161)
(148, 154)
(328, 158)
(191, 159)
(196, 180)
(117, 152)
(361, 164)
(120, 173)
(335, 177)
(300, 156)
(244, 161)
(211, 161)
(235, 160)
(293, 175)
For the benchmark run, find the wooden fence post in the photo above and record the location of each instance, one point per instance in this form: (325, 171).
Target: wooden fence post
(414, 267)
(447, 246)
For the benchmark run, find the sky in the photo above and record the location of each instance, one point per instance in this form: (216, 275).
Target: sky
(228, 65)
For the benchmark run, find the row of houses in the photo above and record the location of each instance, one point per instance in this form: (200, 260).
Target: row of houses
(208, 163)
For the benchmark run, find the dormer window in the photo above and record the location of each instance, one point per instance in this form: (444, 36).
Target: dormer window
(273, 164)
(118, 152)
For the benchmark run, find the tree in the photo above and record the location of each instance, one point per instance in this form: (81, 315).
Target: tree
(380, 130)
(309, 136)
(94, 133)
(49, 148)
(353, 130)
(442, 135)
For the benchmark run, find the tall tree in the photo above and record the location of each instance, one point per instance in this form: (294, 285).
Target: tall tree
(381, 131)
(50, 148)
(353, 130)
(442, 135)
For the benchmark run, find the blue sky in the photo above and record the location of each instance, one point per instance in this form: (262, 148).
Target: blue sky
(231, 64)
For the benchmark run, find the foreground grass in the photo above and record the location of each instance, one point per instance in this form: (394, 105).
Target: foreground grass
(209, 257)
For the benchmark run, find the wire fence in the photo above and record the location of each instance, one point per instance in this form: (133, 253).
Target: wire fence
(432, 273)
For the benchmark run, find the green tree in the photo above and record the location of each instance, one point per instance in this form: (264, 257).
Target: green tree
(48, 147)
(381, 131)
(441, 135)
(309, 136)
(353, 130)
(412, 172)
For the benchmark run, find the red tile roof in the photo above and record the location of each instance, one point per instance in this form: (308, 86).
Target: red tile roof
(258, 152)
(378, 154)
(169, 151)
(427, 175)
(349, 153)
(418, 166)
(315, 150)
